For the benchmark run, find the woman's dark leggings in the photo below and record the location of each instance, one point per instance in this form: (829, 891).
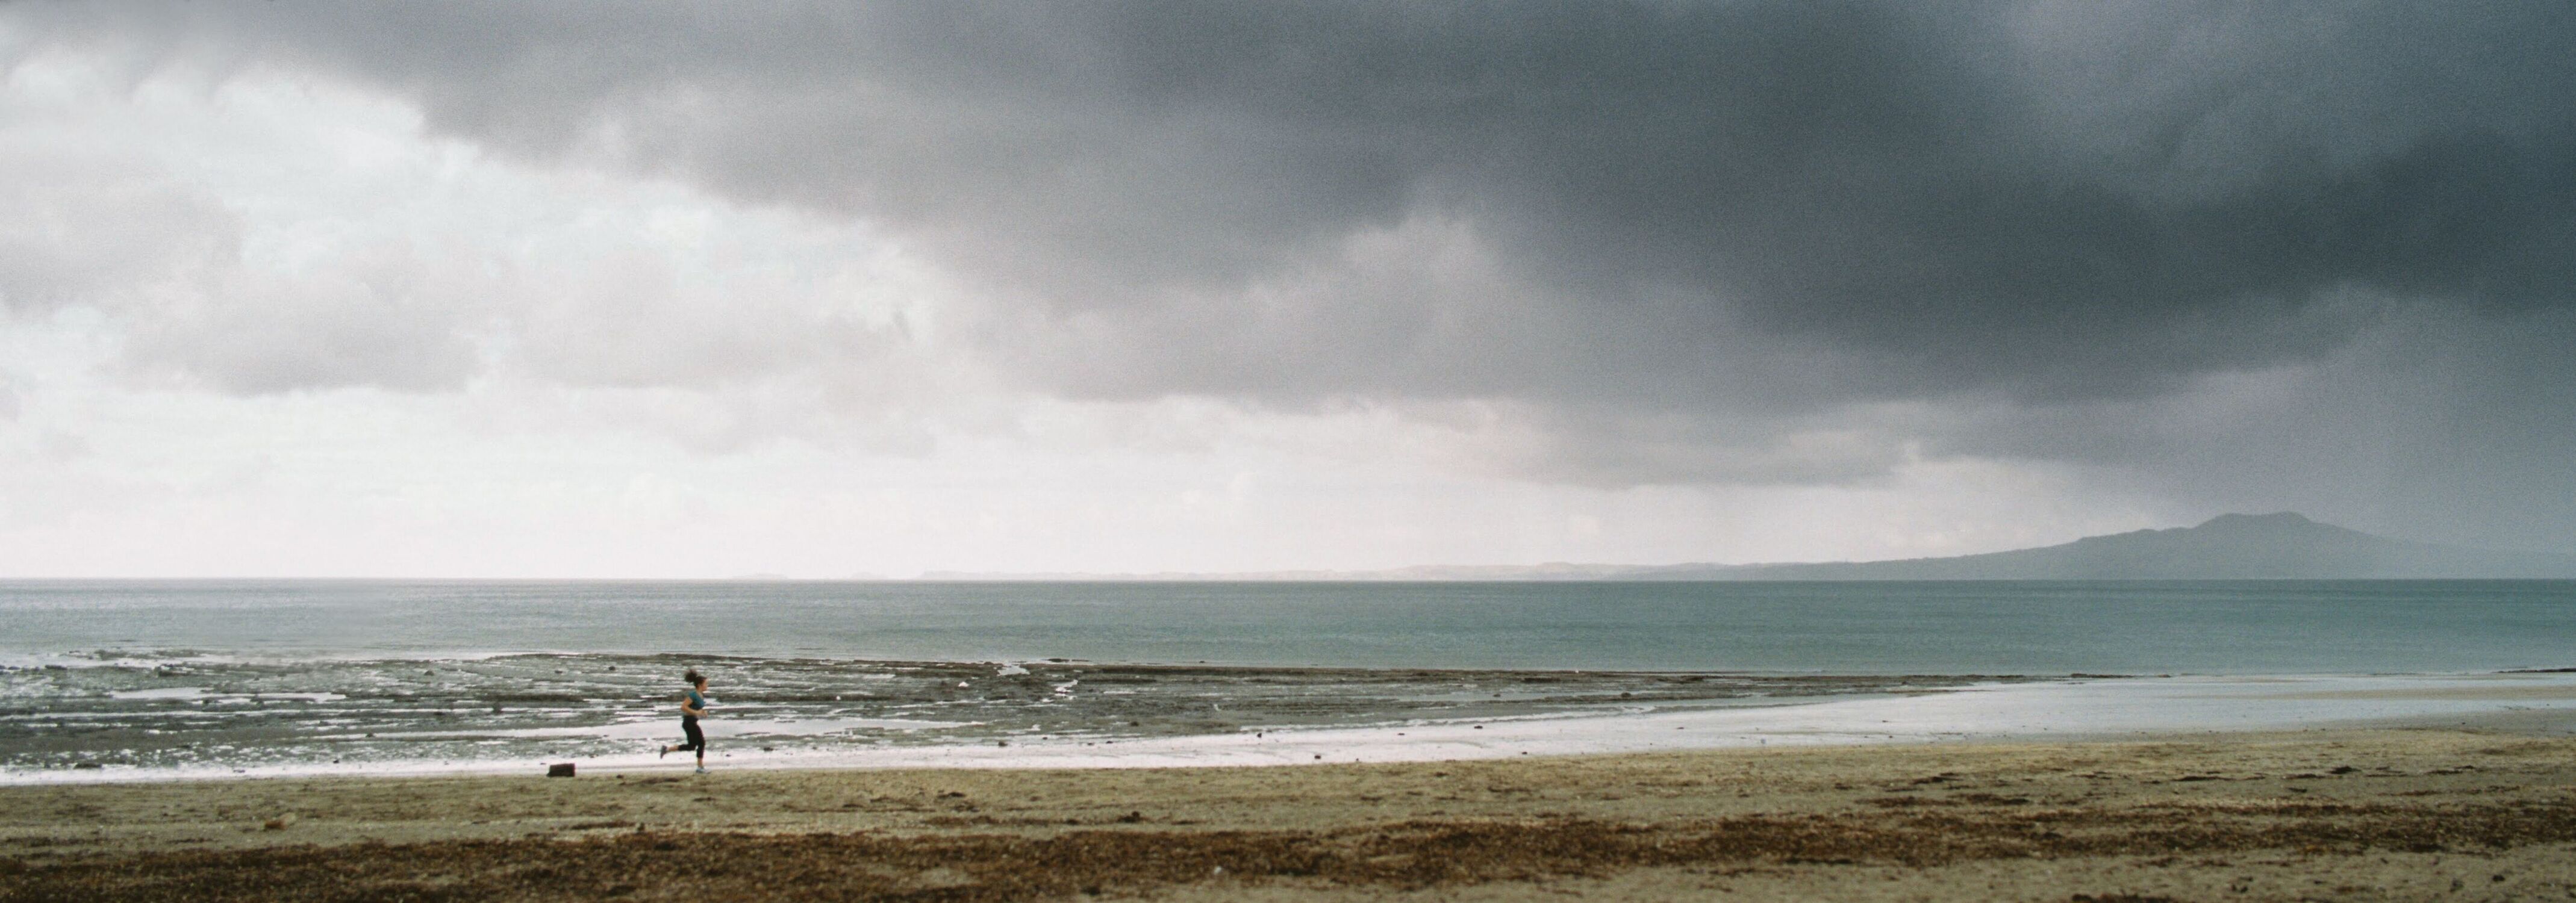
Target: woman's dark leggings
(697, 740)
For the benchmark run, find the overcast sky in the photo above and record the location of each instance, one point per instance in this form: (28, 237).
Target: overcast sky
(692, 290)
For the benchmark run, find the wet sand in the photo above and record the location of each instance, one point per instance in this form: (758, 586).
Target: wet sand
(2384, 814)
(184, 716)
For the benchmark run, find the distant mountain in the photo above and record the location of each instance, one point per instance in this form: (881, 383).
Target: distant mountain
(1420, 573)
(2227, 547)
(2280, 546)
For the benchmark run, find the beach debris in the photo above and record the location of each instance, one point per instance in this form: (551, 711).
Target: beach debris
(279, 823)
(559, 770)
(1010, 671)
(87, 766)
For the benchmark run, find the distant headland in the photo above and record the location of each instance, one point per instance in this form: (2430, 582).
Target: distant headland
(2282, 546)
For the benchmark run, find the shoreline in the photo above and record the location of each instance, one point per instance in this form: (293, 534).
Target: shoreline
(2482, 811)
(2074, 709)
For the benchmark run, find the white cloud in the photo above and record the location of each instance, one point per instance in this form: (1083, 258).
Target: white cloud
(281, 234)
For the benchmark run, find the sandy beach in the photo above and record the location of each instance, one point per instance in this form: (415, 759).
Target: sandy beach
(2485, 812)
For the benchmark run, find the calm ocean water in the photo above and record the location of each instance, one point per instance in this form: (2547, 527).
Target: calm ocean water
(276, 676)
(1834, 628)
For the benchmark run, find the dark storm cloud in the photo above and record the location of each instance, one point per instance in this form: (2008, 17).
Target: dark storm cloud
(1942, 186)
(1751, 210)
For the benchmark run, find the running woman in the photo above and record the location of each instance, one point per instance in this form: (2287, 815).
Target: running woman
(693, 706)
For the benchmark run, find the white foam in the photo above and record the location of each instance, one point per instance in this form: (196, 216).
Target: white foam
(161, 693)
(2055, 710)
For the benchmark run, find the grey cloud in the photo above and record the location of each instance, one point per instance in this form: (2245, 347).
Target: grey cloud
(78, 230)
(1910, 180)
(260, 334)
(112, 233)
(1617, 448)
(2474, 413)
(2444, 424)
(629, 320)
(60, 447)
(1744, 213)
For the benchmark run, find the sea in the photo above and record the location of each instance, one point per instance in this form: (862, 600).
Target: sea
(107, 680)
